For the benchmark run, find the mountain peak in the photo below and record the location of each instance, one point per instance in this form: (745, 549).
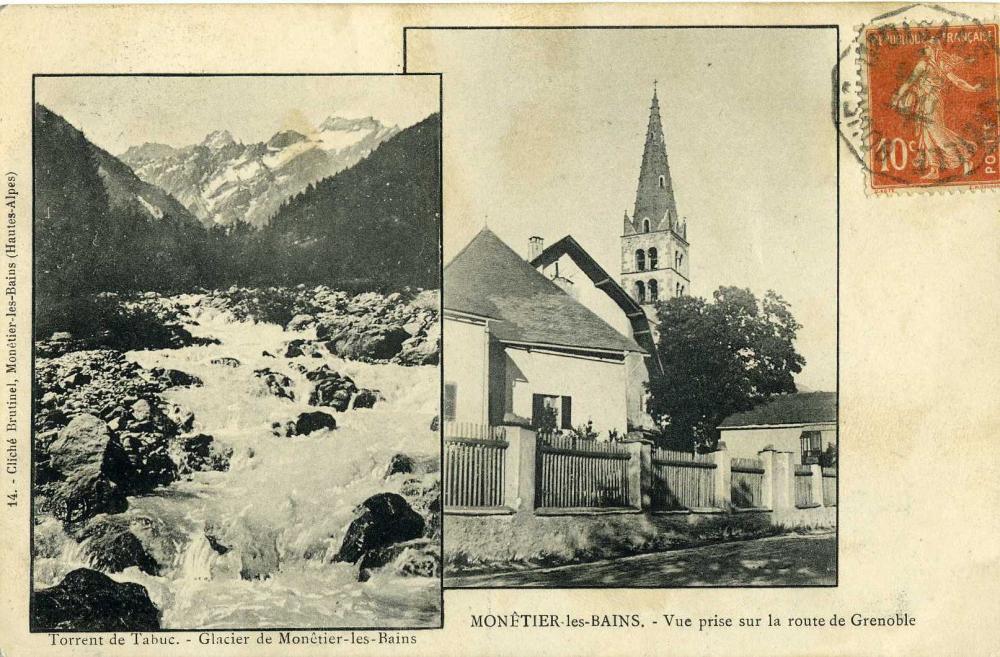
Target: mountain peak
(285, 138)
(218, 139)
(344, 124)
(148, 151)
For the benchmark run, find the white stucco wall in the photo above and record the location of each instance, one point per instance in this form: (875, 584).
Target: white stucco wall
(465, 365)
(598, 302)
(590, 296)
(747, 442)
(597, 387)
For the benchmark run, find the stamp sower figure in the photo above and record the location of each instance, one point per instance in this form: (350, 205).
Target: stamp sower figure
(921, 98)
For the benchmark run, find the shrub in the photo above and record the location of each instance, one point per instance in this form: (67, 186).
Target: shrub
(107, 321)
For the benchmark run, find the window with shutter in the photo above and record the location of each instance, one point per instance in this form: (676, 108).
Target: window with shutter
(567, 413)
(549, 412)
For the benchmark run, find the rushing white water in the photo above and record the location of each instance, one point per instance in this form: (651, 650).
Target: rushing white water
(293, 494)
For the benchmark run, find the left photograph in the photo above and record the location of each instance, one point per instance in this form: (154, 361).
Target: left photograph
(236, 322)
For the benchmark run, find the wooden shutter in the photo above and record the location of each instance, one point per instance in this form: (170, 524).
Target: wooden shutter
(537, 406)
(450, 401)
(567, 413)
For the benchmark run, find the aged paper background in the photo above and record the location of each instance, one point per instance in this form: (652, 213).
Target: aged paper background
(919, 374)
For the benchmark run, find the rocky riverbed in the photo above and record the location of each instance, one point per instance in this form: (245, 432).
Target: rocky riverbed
(272, 466)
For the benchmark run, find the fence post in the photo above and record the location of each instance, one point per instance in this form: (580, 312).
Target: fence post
(767, 457)
(784, 481)
(519, 469)
(779, 479)
(723, 477)
(816, 480)
(640, 472)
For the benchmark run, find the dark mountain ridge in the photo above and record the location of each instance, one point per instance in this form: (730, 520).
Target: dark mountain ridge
(100, 228)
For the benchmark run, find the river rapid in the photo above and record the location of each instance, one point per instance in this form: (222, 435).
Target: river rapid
(293, 494)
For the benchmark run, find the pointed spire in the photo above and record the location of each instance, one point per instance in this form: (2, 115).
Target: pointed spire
(654, 198)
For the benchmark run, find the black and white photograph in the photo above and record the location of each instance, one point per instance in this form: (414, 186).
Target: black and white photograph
(236, 384)
(640, 307)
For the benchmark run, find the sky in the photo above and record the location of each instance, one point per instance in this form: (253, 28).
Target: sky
(544, 130)
(118, 112)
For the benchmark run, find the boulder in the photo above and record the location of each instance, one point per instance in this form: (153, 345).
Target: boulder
(201, 453)
(300, 322)
(142, 410)
(380, 521)
(111, 547)
(416, 558)
(51, 418)
(225, 361)
(182, 418)
(366, 398)
(147, 463)
(85, 443)
(415, 562)
(294, 348)
(381, 342)
(74, 380)
(300, 347)
(277, 384)
(309, 422)
(399, 464)
(422, 349)
(331, 389)
(81, 496)
(175, 378)
(216, 544)
(91, 601)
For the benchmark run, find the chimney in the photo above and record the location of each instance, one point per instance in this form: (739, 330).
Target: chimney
(534, 247)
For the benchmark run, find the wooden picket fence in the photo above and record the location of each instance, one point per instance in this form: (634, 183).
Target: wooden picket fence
(474, 457)
(575, 473)
(829, 486)
(682, 480)
(747, 483)
(803, 486)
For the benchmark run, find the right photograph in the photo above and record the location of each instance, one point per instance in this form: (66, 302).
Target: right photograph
(640, 306)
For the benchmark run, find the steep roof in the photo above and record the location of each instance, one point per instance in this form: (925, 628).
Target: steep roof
(602, 280)
(487, 278)
(797, 408)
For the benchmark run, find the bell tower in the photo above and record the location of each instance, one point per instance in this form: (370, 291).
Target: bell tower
(654, 239)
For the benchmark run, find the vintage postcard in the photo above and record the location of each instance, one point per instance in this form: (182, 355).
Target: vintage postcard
(500, 330)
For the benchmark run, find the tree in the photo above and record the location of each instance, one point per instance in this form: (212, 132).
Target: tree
(720, 357)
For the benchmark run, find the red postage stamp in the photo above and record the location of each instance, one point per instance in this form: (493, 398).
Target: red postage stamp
(932, 106)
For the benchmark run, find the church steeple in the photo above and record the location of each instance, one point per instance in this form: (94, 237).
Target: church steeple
(654, 198)
(654, 241)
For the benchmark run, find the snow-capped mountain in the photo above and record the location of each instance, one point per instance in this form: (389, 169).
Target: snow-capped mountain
(222, 181)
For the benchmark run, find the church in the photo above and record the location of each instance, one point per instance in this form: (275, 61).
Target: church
(654, 242)
(654, 264)
(556, 330)
(654, 248)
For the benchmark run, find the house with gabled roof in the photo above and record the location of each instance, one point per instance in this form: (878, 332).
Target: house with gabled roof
(570, 266)
(804, 423)
(517, 344)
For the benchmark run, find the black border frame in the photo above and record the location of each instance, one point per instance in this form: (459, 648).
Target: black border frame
(835, 116)
(31, 474)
